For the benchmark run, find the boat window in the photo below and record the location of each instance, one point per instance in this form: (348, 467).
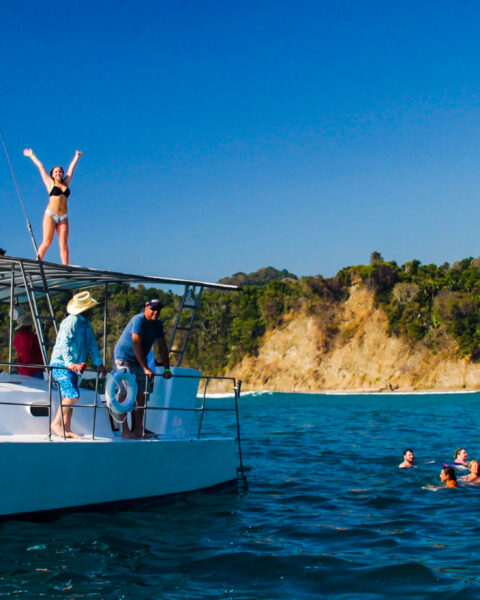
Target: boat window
(39, 410)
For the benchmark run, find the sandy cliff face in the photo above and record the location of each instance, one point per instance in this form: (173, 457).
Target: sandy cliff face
(361, 356)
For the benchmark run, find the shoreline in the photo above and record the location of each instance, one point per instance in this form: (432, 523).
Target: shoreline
(372, 392)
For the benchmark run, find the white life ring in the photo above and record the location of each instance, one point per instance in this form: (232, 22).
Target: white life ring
(116, 382)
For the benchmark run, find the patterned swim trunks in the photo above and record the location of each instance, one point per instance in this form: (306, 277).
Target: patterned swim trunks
(68, 382)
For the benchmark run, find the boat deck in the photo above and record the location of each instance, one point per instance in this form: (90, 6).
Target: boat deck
(116, 438)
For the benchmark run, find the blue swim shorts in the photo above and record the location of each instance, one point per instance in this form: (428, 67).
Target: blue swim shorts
(68, 382)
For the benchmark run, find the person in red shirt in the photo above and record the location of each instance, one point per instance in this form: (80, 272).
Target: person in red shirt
(27, 347)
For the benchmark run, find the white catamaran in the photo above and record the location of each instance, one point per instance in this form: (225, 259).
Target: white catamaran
(45, 473)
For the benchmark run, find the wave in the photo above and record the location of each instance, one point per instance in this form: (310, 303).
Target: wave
(231, 395)
(397, 393)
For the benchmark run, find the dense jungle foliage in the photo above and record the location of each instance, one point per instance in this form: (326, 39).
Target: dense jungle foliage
(423, 303)
(428, 303)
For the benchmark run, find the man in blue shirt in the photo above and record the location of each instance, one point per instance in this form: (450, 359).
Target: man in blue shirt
(131, 353)
(75, 341)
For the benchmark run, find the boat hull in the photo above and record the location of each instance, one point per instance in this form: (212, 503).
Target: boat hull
(46, 476)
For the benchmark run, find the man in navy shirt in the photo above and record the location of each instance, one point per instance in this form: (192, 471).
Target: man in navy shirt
(131, 352)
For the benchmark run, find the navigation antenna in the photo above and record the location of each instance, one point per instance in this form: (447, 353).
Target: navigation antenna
(29, 225)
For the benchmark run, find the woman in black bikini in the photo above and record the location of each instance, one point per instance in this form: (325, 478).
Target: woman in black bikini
(56, 215)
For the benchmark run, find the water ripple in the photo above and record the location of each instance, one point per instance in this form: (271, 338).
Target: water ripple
(328, 515)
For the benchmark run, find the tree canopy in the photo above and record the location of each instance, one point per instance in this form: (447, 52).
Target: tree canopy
(423, 303)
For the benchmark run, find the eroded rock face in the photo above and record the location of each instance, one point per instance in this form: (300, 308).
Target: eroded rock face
(301, 356)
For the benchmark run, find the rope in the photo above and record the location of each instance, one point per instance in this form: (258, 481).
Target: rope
(29, 225)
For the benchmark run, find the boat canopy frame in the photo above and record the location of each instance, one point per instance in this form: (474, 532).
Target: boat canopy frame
(26, 280)
(72, 277)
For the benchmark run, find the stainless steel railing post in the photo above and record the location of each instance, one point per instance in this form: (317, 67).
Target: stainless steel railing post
(95, 406)
(50, 402)
(202, 408)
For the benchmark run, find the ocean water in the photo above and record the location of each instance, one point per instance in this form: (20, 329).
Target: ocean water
(327, 514)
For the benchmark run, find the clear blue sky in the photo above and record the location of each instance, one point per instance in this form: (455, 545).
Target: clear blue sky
(223, 137)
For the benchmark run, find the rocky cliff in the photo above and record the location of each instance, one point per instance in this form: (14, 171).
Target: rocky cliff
(301, 356)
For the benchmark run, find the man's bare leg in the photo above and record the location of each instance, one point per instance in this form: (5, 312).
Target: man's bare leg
(127, 433)
(62, 426)
(138, 416)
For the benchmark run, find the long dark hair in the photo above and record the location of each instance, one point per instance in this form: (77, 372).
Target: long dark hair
(450, 471)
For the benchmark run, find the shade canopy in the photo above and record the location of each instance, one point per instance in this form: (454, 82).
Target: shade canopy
(71, 277)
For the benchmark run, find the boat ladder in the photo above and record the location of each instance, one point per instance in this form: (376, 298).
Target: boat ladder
(184, 321)
(34, 290)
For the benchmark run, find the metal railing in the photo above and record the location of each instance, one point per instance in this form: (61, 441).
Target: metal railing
(99, 403)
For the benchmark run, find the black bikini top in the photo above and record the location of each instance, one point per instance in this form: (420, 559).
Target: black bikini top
(56, 191)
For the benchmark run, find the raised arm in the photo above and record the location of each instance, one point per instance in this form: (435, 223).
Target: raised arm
(69, 176)
(47, 180)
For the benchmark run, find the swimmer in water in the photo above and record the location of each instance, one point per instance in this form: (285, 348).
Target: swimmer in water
(56, 214)
(460, 459)
(408, 458)
(474, 477)
(448, 477)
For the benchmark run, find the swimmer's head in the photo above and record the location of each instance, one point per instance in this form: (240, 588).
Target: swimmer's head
(408, 455)
(57, 173)
(448, 474)
(474, 466)
(460, 455)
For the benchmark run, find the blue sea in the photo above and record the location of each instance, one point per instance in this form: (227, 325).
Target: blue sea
(327, 514)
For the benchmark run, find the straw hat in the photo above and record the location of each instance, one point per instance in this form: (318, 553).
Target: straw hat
(80, 303)
(24, 321)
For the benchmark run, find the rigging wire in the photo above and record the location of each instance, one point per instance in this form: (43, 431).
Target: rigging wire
(14, 177)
